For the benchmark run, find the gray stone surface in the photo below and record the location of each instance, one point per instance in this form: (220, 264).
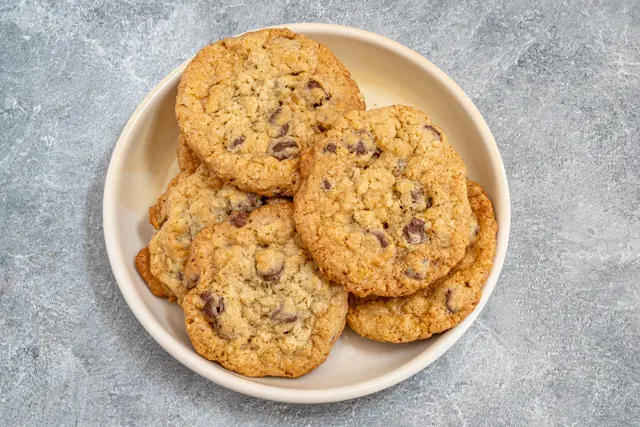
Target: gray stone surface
(559, 85)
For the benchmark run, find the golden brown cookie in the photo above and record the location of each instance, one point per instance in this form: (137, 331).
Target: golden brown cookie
(261, 307)
(142, 265)
(442, 306)
(191, 202)
(249, 105)
(158, 212)
(383, 208)
(187, 159)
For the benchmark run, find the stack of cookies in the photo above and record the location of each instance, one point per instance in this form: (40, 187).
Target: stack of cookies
(297, 211)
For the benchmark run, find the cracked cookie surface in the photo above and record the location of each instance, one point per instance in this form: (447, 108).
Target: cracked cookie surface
(191, 202)
(447, 303)
(383, 205)
(250, 105)
(260, 307)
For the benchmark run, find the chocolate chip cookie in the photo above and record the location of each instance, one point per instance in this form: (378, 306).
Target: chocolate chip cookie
(249, 105)
(383, 207)
(260, 307)
(143, 260)
(442, 306)
(190, 203)
(187, 159)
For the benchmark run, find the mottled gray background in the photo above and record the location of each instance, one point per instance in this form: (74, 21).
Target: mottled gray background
(557, 82)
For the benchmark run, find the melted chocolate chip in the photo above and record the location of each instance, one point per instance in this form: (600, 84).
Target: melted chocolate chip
(273, 274)
(213, 307)
(326, 185)
(433, 131)
(284, 317)
(449, 302)
(414, 231)
(359, 148)
(283, 130)
(330, 148)
(274, 115)
(253, 202)
(280, 152)
(382, 238)
(237, 142)
(239, 219)
(321, 128)
(212, 310)
(313, 84)
(412, 274)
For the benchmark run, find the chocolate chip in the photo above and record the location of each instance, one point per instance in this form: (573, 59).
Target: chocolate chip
(359, 148)
(213, 307)
(376, 154)
(412, 274)
(236, 142)
(290, 318)
(414, 231)
(330, 148)
(274, 115)
(313, 84)
(433, 131)
(321, 128)
(429, 202)
(284, 317)
(326, 185)
(280, 152)
(273, 274)
(449, 302)
(382, 238)
(283, 130)
(239, 218)
(252, 203)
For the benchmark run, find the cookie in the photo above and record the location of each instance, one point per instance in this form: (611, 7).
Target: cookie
(383, 207)
(249, 105)
(158, 212)
(143, 267)
(260, 307)
(191, 202)
(447, 303)
(187, 159)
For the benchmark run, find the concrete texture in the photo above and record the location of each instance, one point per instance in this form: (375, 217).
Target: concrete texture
(557, 82)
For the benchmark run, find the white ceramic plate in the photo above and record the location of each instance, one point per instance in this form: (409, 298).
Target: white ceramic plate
(144, 160)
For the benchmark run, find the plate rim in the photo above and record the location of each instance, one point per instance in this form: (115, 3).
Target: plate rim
(247, 386)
